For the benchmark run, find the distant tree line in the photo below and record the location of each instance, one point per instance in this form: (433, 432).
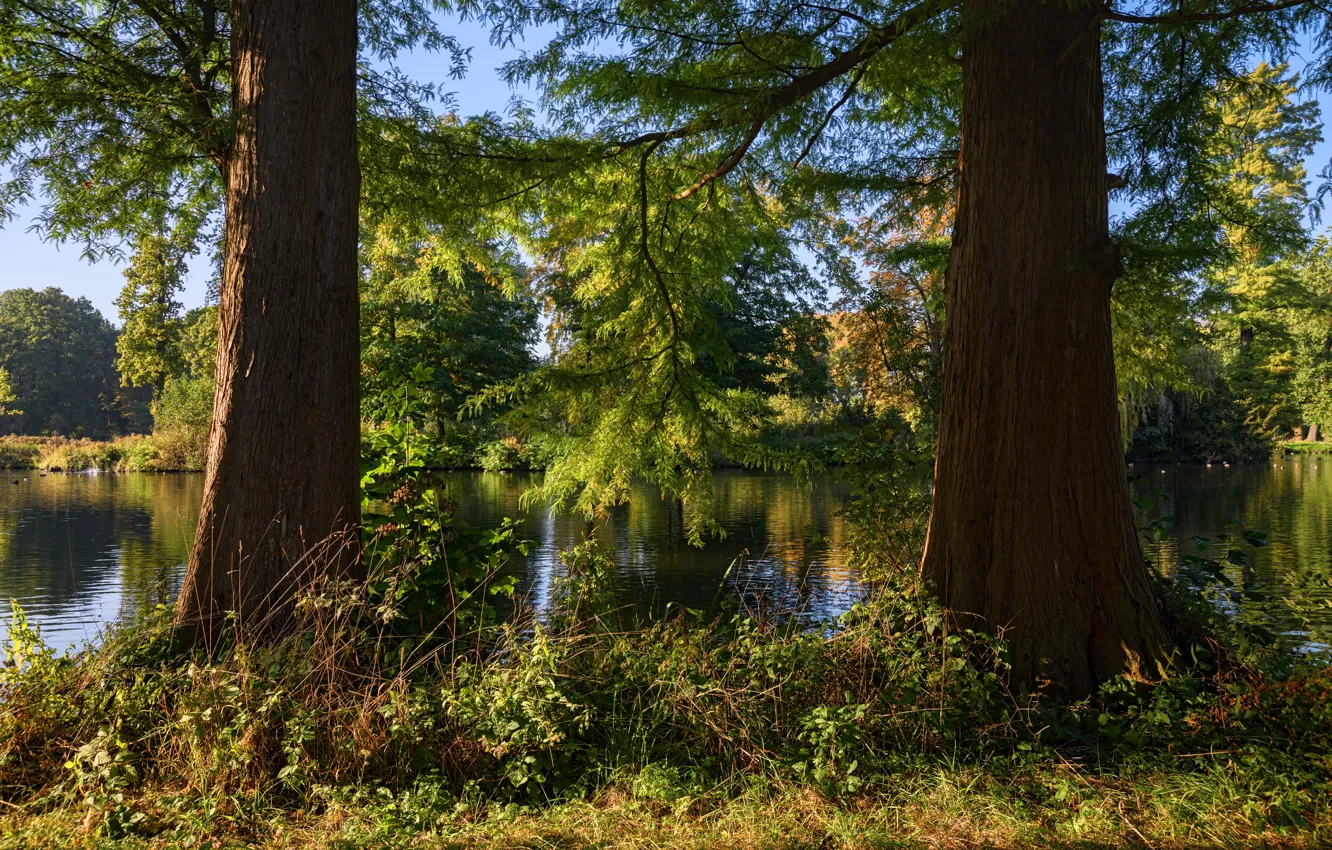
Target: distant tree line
(58, 368)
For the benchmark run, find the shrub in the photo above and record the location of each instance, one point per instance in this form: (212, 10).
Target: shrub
(20, 452)
(181, 420)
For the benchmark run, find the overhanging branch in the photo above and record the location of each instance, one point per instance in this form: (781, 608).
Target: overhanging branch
(1203, 17)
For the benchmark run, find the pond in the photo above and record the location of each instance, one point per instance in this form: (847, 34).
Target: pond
(77, 551)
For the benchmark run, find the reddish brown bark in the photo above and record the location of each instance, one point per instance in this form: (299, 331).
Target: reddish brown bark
(283, 452)
(1031, 533)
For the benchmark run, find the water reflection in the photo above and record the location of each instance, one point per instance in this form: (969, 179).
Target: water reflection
(782, 547)
(1290, 500)
(79, 550)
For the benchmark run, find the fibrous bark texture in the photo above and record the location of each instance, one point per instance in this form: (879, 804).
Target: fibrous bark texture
(283, 452)
(1032, 534)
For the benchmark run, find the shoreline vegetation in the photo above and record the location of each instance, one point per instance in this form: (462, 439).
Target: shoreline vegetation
(702, 730)
(134, 453)
(165, 453)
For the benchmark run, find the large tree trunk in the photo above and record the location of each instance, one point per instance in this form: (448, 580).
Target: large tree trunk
(1032, 535)
(1312, 436)
(283, 453)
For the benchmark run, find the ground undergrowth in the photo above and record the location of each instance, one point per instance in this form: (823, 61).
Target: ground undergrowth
(400, 712)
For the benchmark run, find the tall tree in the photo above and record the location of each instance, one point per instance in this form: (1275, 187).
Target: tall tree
(288, 366)
(137, 116)
(9, 399)
(150, 314)
(712, 110)
(1031, 532)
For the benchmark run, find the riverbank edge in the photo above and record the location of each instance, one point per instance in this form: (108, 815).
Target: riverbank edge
(147, 453)
(1300, 447)
(132, 453)
(885, 734)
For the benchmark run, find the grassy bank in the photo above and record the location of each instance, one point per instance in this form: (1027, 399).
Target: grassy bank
(362, 730)
(964, 808)
(135, 453)
(1300, 447)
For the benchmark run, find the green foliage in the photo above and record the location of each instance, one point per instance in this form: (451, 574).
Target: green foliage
(509, 453)
(197, 342)
(150, 314)
(60, 356)
(182, 417)
(183, 407)
(431, 339)
(888, 469)
(7, 396)
(125, 454)
(20, 452)
(103, 769)
(1226, 386)
(120, 114)
(433, 575)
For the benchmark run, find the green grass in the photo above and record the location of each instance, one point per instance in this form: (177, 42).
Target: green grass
(961, 808)
(1300, 447)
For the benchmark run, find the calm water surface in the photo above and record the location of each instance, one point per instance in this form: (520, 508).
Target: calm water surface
(77, 551)
(1290, 500)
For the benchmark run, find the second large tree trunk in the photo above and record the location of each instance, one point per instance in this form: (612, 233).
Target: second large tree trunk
(283, 453)
(1032, 535)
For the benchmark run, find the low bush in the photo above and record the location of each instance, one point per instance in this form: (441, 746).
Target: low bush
(20, 452)
(181, 420)
(135, 453)
(510, 453)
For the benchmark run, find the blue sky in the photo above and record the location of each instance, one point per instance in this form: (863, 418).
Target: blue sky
(28, 261)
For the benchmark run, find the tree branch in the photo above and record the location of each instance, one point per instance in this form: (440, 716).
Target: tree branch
(814, 137)
(725, 168)
(1203, 17)
(803, 86)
